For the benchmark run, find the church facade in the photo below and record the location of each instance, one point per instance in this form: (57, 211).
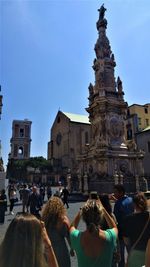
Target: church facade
(69, 137)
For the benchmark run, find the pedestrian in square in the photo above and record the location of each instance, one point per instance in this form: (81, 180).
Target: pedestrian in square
(94, 247)
(35, 202)
(3, 205)
(25, 193)
(57, 226)
(65, 194)
(123, 207)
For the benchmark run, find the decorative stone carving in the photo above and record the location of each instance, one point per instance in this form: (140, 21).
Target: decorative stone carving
(90, 89)
(132, 146)
(102, 10)
(119, 85)
(116, 130)
(102, 167)
(124, 166)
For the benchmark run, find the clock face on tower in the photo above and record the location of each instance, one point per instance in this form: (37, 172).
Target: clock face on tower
(58, 139)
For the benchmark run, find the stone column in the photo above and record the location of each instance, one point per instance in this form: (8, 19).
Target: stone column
(116, 178)
(121, 179)
(85, 183)
(69, 181)
(137, 183)
(80, 182)
(145, 183)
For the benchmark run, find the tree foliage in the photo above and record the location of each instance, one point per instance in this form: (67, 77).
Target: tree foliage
(18, 169)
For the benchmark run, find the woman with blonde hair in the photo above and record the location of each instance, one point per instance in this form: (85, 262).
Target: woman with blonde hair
(94, 247)
(26, 244)
(57, 226)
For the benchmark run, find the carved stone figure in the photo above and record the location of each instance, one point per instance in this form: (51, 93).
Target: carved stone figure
(132, 146)
(119, 85)
(95, 128)
(102, 12)
(90, 89)
(114, 127)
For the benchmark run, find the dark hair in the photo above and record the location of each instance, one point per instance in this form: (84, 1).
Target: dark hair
(104, 198)
(120, 188)
(140, 201)
(3, 191)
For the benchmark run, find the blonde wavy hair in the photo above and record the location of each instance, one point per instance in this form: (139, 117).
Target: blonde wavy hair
(92, 215)
(23, 243)
(53, 212)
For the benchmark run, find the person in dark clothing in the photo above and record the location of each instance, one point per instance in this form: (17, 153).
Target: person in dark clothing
(35, 202)
(123, 207)
(25, 193)
(42, 193)
(132, 228)
(64, 195)
(12, 198)
(49, 191)
(3, 205)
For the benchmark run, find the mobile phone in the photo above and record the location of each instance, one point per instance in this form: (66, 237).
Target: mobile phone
(94, 195)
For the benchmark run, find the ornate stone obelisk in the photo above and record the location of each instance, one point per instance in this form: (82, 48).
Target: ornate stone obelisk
(108, 155)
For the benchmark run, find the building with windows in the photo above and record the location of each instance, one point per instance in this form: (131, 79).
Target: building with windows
(138, 118)
(143, 142)
(69, 136)
(21, 139)
(138, 132)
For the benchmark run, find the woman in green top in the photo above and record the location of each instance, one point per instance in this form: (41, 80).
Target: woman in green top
(94, 247)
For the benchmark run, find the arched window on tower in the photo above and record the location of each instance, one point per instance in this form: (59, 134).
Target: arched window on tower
(21, 132)
(20, 152)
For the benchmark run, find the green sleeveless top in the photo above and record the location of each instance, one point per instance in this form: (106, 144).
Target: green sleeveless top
(105, 257)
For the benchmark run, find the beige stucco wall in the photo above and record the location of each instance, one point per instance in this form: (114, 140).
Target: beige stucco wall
(142, 141)
(140, 111)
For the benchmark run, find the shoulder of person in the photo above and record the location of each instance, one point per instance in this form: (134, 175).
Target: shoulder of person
(66, 221)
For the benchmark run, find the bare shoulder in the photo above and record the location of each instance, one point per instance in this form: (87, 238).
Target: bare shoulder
(66, 221)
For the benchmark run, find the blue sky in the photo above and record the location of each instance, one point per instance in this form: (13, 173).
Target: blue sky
(46, 56)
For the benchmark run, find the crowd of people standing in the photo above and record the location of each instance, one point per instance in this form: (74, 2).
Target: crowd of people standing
(110, 231)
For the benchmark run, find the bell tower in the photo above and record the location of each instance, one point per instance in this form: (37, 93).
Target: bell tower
(107, 159)
(21, 139)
